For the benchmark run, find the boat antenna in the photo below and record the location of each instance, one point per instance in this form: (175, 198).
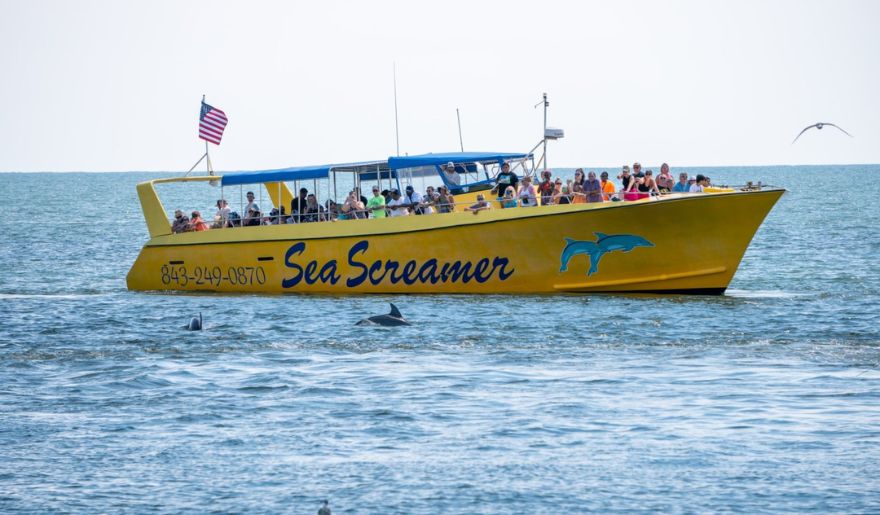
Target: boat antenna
(396, 126)
(460, 141)
(546, 105)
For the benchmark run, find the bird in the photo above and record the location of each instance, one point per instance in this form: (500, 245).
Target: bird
(819, 126)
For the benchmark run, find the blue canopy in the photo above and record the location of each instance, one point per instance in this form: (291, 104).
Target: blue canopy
(396, 163)
(298, 173)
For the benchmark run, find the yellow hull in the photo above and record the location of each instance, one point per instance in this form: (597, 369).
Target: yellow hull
(679, 243)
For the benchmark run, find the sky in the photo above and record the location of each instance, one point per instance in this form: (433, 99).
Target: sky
(116, 86)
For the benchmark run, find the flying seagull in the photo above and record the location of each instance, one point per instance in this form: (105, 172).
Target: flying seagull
(819, 126)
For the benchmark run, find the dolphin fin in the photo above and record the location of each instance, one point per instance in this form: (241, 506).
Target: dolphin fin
(600, 235)
(569, 241)
(395, 312)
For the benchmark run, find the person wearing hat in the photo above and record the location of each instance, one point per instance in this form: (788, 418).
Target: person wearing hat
(397, 206)
(682, 185)
(607, 187)
(452, 177)
(181, 222)
(414, 201)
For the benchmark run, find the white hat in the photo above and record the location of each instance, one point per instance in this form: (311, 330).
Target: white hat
(450, 165)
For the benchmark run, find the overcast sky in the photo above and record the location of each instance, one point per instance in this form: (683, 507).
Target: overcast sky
(116, 85)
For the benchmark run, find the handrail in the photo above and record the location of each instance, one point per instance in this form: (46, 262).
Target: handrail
(325, 216)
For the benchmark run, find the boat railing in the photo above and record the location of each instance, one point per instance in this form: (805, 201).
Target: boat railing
(456, 207)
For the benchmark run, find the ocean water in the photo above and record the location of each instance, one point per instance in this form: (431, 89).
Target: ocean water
(766, 399)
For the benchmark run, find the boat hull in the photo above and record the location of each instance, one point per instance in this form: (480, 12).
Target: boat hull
(676, 244)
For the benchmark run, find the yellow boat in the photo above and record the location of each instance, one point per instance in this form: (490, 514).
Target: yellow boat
(673, 243)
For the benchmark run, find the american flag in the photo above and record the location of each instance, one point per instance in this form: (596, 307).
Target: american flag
(212, 121)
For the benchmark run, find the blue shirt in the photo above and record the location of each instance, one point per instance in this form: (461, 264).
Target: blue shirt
(680, 188)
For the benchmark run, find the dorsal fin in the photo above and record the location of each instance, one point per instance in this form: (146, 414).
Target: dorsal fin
(395, 312)
(600, 235)
(569, 241)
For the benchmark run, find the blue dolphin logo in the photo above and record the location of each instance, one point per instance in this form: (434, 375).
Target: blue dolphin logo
(596, 249)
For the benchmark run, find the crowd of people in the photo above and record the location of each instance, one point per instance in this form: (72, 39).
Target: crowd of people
(509, 190)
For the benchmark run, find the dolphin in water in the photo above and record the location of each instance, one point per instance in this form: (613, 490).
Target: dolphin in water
(195, 324)
(391, 319)
(596, 249)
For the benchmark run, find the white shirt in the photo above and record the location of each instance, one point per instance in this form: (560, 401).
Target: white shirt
(397, 211)
(452, 177)
(415, 198)
(223, 213)
(696, 188)
(528, 193)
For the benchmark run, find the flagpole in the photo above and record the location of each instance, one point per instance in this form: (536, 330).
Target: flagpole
(207, 154)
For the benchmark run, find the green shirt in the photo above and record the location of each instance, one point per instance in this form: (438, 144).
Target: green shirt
(377, 201)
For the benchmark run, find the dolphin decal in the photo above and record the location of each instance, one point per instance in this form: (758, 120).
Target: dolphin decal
(604, 244)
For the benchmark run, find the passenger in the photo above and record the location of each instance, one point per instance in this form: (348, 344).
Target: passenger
(445, 200)
(637, 171)
(387, 195)
(298, 205)
(701, 183)
(481, 204)
(625, 179)
(314, 212)
(563, 196)
(353, 207)
(557, 192)
(275, 217)
(181, 222)
(509, 198)
(414, 201)
(430, 199)
(664, 180)
(221, 217)
(526, 193)
(397, 207)
(682, 185)
(608, 192)
(577, 187)
(593, 188)
(331, 208)
(648, 186)
(197, 224)
(546, 187)
(376, 205)
(451, 175)
(631, 192)
(504, 179)
(251, 206)
(253, 218)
